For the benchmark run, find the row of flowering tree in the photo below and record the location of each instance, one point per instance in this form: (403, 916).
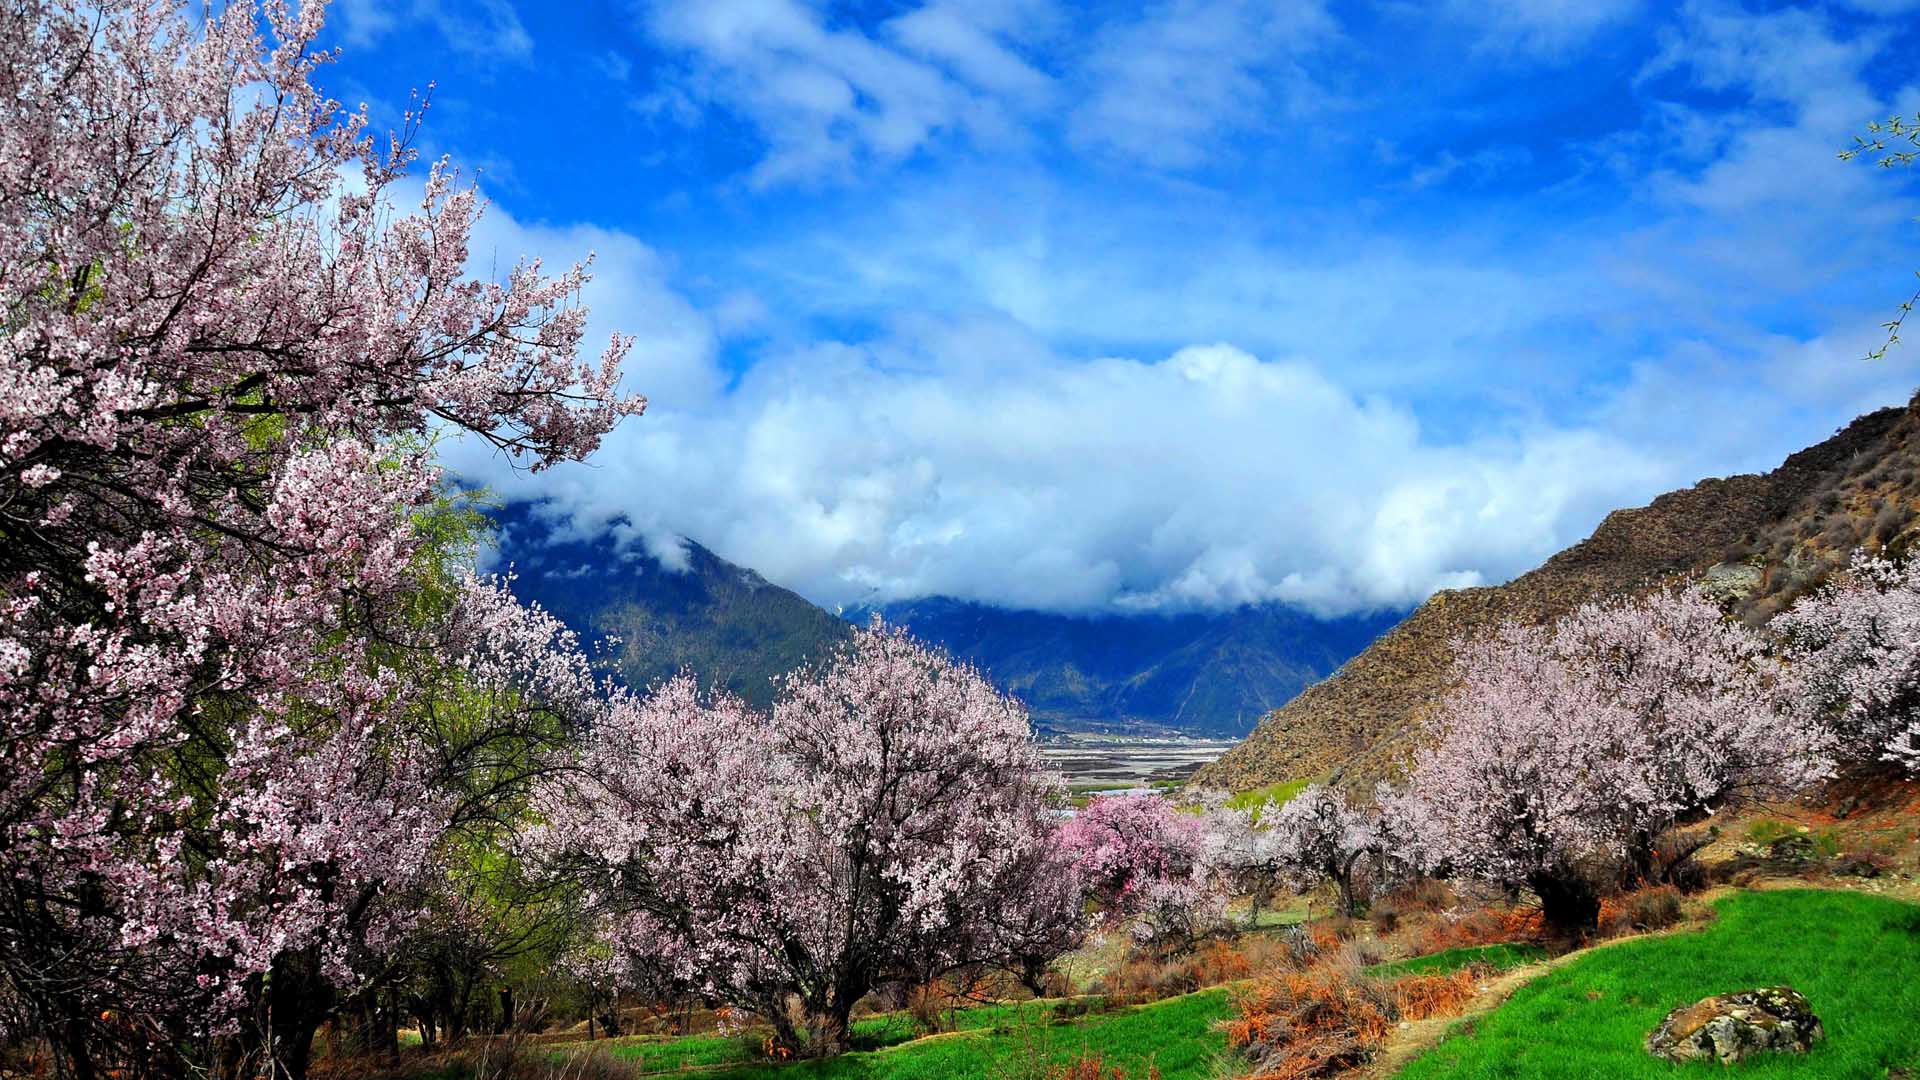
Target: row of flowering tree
(1567, 755)
(1567, 758)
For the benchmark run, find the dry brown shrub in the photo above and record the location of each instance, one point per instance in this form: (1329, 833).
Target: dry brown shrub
(1311, 1023)
(1385, 917)
(1360, 953)
(1140, 979)
(1219, 962)
(1328, 933)
(1487, 926)
(1143, 977)
(1653, 908)
(1330, 1018)
(1422, 894)
(1423, 996)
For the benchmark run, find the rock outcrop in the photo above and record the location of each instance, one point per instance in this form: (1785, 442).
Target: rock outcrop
(1734, 1027)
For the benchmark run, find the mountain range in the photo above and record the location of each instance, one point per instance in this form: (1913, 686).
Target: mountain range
(1195, 673)
(1756, 542)
(1199, 673)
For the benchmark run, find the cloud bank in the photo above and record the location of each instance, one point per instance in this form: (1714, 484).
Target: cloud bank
(967, 458)
(1157, 310)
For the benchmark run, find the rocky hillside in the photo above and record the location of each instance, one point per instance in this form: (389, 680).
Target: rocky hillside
(1211, 673)
(1760, 541)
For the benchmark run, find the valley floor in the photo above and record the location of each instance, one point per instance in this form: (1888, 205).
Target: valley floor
(1579, 1016)
(1122, 762)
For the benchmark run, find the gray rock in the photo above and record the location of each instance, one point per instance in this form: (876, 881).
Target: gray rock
(1728, 582)
(1733, 1027)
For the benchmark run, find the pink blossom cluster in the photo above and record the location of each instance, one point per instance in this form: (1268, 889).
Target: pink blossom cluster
(1856, 648)
(224, 357)
(1145, 863)
(887, 821)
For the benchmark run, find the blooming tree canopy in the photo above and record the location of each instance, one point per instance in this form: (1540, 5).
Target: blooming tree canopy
(1317, 836)
(224, 356)
(1142, 859)
(1856, 647)
(1567, 746)
(871, 829)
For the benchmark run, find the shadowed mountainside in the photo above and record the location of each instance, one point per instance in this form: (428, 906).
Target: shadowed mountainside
(1213, 673)
(1760, 541)
(724, 622)
(1200, 674)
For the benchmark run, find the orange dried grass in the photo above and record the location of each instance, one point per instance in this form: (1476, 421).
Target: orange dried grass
(1320, 1021)
(1422, 996)
(1489, 926)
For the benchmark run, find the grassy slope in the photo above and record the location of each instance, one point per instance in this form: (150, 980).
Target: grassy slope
(1176, 1034)
(1498, 957)
(1856, 958)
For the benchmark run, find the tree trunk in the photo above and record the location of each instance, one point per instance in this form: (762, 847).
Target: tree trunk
(1568, 904)
(506, 1011)
(1033, 976)
(833, 1030)
(76, 1057)
(298, 1000)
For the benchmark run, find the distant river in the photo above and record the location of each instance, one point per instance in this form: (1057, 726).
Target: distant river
(1129, 762)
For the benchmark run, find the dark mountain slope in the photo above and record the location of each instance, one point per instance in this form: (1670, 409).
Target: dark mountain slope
(1198, 673)
(1202, 674)
(1761, 540)
(724, 622)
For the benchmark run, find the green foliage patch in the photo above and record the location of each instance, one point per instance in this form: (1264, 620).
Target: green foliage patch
(1854, 956)
(1258, 799)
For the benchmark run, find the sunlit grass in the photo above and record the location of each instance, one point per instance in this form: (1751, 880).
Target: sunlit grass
(1176, 1035)
(1854, 956)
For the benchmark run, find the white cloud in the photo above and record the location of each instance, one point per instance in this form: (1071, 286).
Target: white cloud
(1207, 478)
(1540, 29)
(487, 28)
(1165, 88)
(828, 100)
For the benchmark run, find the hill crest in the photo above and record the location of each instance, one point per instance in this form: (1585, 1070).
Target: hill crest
(1760, 540)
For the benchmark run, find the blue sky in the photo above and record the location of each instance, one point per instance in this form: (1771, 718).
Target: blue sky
(1185, 304)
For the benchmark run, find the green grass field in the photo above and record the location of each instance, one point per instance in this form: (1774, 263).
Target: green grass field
(1499, 957)
(1856, 957)
(665, 1053)
(1176, 1034)
(1258, 799)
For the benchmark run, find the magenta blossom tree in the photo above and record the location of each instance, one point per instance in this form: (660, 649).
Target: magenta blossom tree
(871, 829)
(224, 356)
(1570, 748)
(1144, 863)
(1856, 648)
